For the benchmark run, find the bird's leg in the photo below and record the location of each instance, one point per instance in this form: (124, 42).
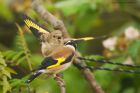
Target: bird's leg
(60, 81)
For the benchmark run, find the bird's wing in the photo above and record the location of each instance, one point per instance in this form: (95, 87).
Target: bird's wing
(36, 29)
(50, 62)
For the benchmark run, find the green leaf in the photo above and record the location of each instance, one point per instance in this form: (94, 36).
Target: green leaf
(20, 60)
(6, 85)
(5, 72)
(15, 82)
(9, 54)
(18, 82)
(18, 55)
(2, 61)
(134, 48)
(10, 70)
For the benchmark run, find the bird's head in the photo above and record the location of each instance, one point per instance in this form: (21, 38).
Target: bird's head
(71, 43)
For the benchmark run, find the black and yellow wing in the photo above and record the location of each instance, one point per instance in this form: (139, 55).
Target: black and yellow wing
(36, 29)
(49, 63)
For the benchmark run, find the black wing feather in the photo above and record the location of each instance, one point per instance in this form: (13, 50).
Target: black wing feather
(47, 62)
(35, 28)
(68, 59)
(24, 16)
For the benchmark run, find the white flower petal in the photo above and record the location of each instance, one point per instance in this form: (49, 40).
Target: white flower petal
(110, 43)
(131, 33)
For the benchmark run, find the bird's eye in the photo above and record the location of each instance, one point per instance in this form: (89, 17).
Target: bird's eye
(59, 37)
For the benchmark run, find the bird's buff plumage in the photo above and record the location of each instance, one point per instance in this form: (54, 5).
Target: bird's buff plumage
(58, 54)
(59, 60)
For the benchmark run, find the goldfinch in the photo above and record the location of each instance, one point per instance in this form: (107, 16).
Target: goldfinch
(58, 54)
(59, 60)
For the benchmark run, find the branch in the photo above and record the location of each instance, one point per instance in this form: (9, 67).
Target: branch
(87, 74)
(60, 82)
(59, 25)
(49, 18)
(108, 62)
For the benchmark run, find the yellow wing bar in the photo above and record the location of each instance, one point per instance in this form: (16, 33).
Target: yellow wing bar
(30, 23)
(59, 61)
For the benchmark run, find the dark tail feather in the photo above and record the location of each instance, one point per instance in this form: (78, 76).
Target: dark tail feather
(33, 30)
(32, 77)
(34, 26)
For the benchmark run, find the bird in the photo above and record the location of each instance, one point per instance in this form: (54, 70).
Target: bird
(58, 53)
(59, 60)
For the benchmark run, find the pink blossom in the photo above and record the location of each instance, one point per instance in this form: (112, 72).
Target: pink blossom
(131, 33)
(110, 43)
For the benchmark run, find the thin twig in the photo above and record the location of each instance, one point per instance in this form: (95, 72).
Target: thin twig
(59, 25)
(108, 61)
(60, 82)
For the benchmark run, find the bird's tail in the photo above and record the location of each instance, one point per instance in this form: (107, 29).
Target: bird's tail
(32, 77)
(35, 28)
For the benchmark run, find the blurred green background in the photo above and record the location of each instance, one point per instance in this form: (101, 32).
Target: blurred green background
(118, 19)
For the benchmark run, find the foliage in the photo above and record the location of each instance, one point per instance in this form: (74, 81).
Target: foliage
(7, 13)
(22, 44)
(5, 75)
(82, 18)
(14, 58)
